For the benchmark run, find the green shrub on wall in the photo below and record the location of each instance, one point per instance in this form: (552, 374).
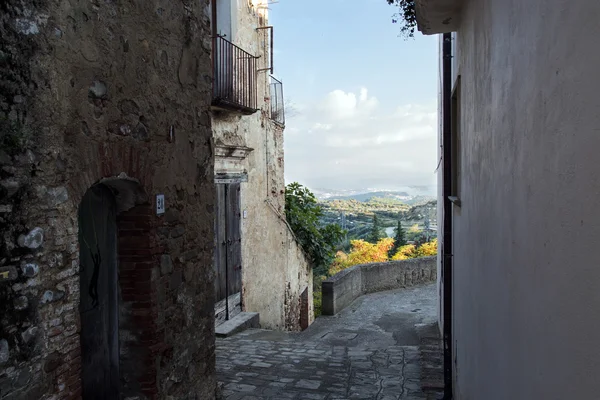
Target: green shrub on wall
(318, 241)
(303, 213)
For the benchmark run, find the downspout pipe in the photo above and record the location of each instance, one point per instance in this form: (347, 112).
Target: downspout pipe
(213, 29)
(447, 208)
(213, 17)
(228, 244)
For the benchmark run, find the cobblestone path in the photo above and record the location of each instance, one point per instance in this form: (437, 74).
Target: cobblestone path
(358, 354)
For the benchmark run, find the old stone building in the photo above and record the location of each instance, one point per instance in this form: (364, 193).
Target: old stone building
(106, 200)
(259, 265)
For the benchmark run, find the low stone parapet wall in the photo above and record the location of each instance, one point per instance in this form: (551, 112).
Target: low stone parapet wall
(344, 287)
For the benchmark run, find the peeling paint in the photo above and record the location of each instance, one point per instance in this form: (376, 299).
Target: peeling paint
(275, 270)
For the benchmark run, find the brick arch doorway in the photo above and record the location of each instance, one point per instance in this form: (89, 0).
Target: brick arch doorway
(100, 296)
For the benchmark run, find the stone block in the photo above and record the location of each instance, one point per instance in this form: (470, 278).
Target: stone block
(21, 303)
(29, 334)
(98, 90)
(57, 195)
(4, 351)
(239, 323)
(178, 231)
(53, 361)
(166, 264)
(33, 240)
(50, 296)
(11, 186)
(30, 270)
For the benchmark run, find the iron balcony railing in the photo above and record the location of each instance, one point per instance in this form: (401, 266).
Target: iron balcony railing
(234, 84)
(277, 107)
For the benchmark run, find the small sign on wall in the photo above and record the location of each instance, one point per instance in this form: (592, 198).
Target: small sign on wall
(245, 214)
(160, 204)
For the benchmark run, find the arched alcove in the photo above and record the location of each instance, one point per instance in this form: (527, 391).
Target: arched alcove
(100, 285)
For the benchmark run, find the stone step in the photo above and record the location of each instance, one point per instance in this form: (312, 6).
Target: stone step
(239, 323)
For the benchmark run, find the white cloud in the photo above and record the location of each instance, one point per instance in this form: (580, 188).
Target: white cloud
(339, 105)
(322, 127)
(349, 140)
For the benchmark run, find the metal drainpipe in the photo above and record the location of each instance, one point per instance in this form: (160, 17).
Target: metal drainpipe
(213, 56)
(447, 192)
(228, 243)
(213, 11)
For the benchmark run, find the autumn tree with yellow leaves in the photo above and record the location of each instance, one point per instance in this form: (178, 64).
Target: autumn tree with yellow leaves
(364, 253)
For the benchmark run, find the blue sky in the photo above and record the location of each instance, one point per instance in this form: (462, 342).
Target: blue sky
(363, 99)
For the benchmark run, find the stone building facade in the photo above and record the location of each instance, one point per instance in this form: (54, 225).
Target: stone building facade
(276, 278)
(104, 106)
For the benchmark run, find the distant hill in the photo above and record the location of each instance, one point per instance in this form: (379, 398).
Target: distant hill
(362, 194)
(418, 200)
(402, 197)
(422, 211)
(368, 196)
(356, 216)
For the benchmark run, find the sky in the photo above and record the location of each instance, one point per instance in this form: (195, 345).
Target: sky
(361, 101)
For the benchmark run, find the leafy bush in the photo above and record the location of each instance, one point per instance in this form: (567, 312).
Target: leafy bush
(412, 251)
(362, 253)
(405, 252)
(303, 213)
(428, 249)
(318, 294)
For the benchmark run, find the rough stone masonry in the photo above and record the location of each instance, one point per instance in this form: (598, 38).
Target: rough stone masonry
(112, 94)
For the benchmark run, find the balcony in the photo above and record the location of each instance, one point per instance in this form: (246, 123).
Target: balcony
(234, 84)
(277, 107)
(438, 16)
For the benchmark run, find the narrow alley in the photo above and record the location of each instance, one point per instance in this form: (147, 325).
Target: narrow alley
(383, 346)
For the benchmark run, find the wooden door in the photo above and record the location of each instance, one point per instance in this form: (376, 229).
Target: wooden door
(220, 245)
(99, 295)
(234, 238)
(228, 251)
(304, 310)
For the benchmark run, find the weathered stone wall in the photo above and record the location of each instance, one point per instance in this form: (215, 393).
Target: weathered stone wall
(344, 287)
(90, 90)
(274, 269)
(299, 279)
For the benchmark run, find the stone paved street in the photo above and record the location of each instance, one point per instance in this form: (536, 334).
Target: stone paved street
(383, 346)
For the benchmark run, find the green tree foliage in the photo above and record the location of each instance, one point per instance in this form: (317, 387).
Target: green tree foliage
(303, 214)
(399, 239)
(318, 292)
(406, 16)
(415, 233)
(376, 234)
(359, 215)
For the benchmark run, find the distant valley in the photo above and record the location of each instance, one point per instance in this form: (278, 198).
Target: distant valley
(354, 210)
